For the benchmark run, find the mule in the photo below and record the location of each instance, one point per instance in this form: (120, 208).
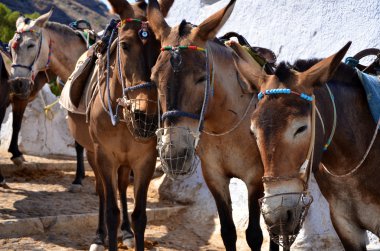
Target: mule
(118, 147)
(37, 52)
(205, 110)
(314, 117)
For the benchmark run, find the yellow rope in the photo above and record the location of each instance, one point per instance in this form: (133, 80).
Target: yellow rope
(47, 109)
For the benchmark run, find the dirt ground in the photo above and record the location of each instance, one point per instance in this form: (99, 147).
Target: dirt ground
(44, 193)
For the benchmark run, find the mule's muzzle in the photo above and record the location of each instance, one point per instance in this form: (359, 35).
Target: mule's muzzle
(20, 87)
(176, 148)
(284, 215)
(141, 117)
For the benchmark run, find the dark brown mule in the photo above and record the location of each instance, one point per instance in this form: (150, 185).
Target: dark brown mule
(115, 149)
(284, 125)
(193, 106)
(36, 55)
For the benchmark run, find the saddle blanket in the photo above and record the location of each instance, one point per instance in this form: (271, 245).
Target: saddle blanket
(87, 91)
(371, 86)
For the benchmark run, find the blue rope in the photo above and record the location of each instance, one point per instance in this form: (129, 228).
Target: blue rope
(176, 114)
(114, 117)
(283, 91)
(140, 86)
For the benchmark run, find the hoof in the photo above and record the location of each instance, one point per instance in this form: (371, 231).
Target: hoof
(3, 184)
(75, 188)
(96, 247)
(129, 243)
(18, 161)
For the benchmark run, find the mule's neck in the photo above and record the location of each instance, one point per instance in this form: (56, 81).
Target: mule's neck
(227, 102)
(66, 48)
(354, 127)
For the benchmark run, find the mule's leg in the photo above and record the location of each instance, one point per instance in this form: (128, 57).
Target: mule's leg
(80, 173)
(101, 232)
(123, 180)
(143, 173)
(2, 115)
(108, 172)
(18, 108)
(254, 234)
(351, 235)
(219, 187)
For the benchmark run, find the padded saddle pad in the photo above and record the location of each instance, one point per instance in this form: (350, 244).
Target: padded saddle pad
(371, 86)
(78, 85)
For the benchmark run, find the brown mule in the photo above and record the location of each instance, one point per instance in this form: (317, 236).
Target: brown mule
(118, 148)
(207, 116)
(317, 110)
(39, 53)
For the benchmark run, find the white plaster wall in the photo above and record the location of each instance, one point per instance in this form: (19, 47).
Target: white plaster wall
(292, 29)
(40, 135)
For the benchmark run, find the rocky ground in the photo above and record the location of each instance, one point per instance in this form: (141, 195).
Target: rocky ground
(40, 193)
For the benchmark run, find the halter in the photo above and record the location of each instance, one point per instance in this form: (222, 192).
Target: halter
(304, 198)
(30, 67)
(123, 102)
(176, 61)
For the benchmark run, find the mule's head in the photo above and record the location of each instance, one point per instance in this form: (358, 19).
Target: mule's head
(283, 128)
(138, 50)
(30, 54)
(181, 74)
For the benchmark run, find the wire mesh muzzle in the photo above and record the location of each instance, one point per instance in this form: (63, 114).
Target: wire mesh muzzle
(141, 117)
(285, 230)
(176, 148)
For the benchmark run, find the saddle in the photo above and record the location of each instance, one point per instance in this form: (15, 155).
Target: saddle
(374, 67)
(370, 78)
(80, 86)
(265, 57)
(84, 30)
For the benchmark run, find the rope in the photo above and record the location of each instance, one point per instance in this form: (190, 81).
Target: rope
(361, 161)
(236, 125)
(114, 118)
(334, 122)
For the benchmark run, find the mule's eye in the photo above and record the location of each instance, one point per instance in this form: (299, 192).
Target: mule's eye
(125, 46)
(30, 46)
(300, 130)
(201, 80)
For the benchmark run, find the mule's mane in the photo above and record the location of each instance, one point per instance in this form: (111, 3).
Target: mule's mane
(284, 72)
(61, 29)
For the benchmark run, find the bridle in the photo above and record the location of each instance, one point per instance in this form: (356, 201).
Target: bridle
(176, 61)
(306, 167)
(304, 200)
(30, 67)
(123, 102)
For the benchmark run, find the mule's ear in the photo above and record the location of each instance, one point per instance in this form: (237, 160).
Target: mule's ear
(165, 6)
(122, 8)
(209, 28)
(43, 19)
(19, 21)
(157, 21)
(323, 71)
(142, 4)
(249, 70)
